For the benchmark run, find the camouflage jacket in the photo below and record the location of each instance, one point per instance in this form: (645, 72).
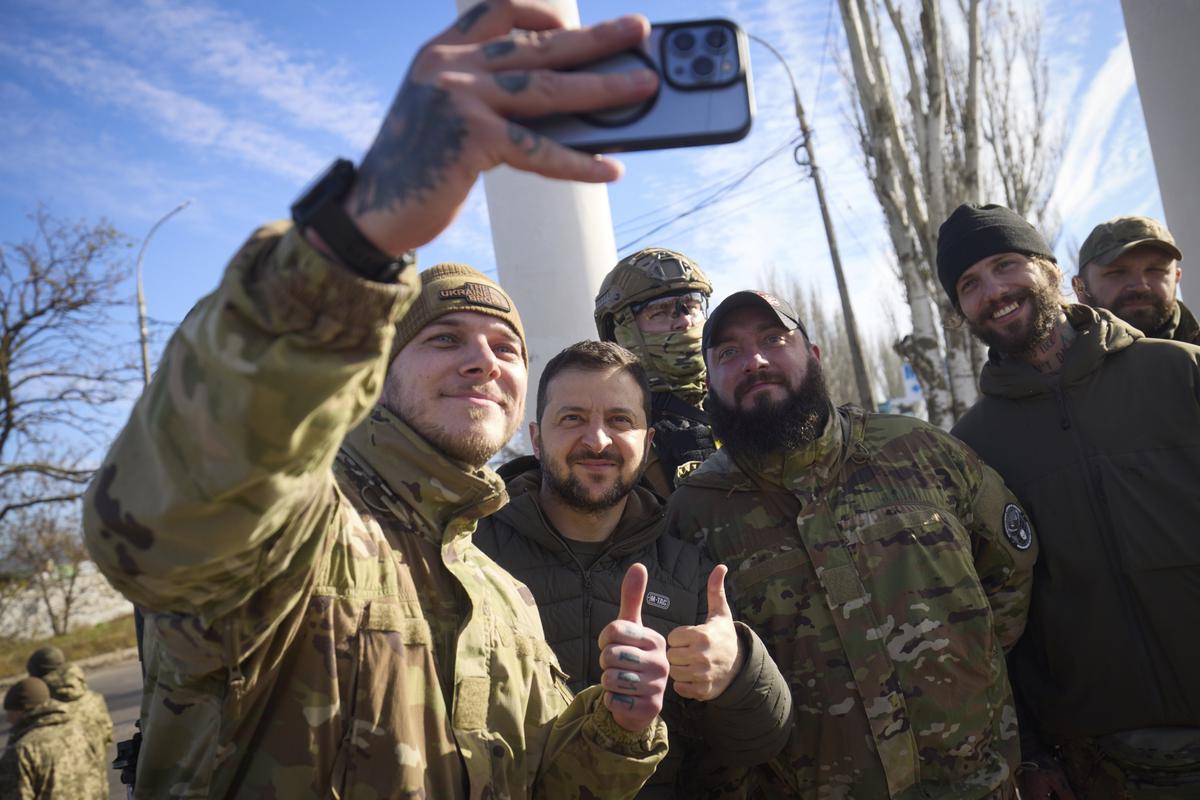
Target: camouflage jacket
(47, 758)
(69, 687)
(321, 631)
(887, 569)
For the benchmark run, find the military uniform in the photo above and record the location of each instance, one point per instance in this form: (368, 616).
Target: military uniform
(887, 569)
(673, 362)
(68, 686)
(48, 758)
(315, 632)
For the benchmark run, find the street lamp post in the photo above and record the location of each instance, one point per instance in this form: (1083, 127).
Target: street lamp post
(861, 379)
(143, 332)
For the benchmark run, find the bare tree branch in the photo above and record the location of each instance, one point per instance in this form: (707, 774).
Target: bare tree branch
(59, 368)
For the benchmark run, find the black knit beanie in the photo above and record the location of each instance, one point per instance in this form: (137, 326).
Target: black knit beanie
(974, 232)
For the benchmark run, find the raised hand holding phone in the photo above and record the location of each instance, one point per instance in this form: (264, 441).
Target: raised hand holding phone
(634, 659)
(452, 117)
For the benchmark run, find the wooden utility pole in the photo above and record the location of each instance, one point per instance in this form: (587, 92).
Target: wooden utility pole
(861, 379)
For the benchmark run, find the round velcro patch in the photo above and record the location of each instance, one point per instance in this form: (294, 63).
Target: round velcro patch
(1016, 527)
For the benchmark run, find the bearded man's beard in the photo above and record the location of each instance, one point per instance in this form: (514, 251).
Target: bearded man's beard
(773, 425)
(559, 479)
(1150, 319)
(1023, 341)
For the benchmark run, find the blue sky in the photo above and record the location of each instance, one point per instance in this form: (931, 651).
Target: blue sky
(124, 109)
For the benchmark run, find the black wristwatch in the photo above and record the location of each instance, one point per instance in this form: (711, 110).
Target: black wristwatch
(320, 208)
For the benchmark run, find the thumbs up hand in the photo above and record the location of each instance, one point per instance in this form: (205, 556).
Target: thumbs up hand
(634, 659)
(705, 658)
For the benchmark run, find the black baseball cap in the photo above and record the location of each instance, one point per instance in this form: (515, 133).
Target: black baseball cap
(782, 310)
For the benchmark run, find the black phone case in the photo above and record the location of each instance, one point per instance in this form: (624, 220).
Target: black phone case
(680, 115)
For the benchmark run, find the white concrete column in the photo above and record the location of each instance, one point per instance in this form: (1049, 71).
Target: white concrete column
(554, 244)
(1166, 62)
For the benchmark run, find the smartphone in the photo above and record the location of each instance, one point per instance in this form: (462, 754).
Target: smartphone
(704, 94)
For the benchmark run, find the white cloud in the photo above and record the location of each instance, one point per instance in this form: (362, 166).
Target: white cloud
(1099, 113)
(178, 117)
(214, 43)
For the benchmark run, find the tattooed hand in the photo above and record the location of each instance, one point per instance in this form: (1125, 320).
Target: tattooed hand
(634, 659)
(706, 658)
(448, 121)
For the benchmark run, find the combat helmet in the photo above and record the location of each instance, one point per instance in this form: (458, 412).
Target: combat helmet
(644, 275)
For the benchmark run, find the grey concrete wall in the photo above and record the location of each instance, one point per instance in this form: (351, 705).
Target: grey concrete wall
(25, 616)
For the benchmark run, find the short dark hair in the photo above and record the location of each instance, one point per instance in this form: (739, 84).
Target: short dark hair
(592, 356)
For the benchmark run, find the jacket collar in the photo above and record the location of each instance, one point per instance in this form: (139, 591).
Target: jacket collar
(46, 715)
(447, 496)
(800, 470)
(1182, 326)
(1098, 334)
(66, 683)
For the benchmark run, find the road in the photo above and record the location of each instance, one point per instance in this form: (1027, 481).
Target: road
(121, 685)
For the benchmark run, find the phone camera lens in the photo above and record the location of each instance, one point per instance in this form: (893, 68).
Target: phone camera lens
(683, 41)
(716, 39)
(703, 66)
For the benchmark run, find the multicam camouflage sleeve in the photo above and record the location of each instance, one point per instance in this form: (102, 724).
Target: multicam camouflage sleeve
(193, 508)
(589, 755)
(1005, 551)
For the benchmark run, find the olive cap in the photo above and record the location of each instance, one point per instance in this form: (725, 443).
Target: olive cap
(1108, 241)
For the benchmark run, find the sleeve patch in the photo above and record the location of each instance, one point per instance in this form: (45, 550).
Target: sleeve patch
(1016, 527)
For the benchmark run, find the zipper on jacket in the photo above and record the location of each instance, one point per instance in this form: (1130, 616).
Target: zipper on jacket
(1064, 419)
(1109, 545)
(588, 641)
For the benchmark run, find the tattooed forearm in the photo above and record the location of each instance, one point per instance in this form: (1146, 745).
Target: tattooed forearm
(513, 82)
(421, 138)
(501, 47)
(470, 17)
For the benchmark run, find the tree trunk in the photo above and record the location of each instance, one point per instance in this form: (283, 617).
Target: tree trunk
(970, 170)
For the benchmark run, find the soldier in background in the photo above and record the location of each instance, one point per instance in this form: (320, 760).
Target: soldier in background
(653, 303)
(292, 501)
(48, 756)
(1096, 428)
(1130, 266)
(68, 686)
(885, 566)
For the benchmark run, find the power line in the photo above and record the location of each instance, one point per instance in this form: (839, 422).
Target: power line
(715, 196)
(732, 174)
(742, 192)
(741, 207)
(824, 53)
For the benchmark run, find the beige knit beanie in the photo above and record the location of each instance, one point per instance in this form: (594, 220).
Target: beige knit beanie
(446, 288)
